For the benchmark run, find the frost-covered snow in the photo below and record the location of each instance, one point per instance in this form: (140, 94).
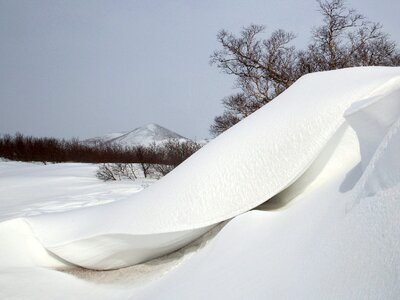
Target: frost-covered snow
(325, 156)
(141, 136)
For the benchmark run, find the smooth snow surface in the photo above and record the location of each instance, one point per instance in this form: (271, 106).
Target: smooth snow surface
(325, 155)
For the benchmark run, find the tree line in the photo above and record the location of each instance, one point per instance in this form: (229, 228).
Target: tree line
(265, 67)
(27, 148)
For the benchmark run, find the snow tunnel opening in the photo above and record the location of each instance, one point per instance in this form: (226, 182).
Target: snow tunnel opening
(333, 158)
(148, 271)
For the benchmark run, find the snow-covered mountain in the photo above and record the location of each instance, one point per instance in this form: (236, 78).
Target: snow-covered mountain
(141, 136)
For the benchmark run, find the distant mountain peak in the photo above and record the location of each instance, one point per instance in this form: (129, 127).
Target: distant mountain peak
(141, 136)
(152, 126)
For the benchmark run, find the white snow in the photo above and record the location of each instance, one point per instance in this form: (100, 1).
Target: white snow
(325, 155)
(28, 189)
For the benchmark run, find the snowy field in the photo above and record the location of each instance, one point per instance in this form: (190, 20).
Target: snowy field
(34, 188)
(301, 200)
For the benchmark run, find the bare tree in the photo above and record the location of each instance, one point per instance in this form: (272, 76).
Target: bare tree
(264, 68)
(144, 158)
(154, 161)
(225, 121)
(346, 39)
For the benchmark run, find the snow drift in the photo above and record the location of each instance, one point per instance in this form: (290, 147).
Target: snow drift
(278, 151)
(331, 244)
(244, 167)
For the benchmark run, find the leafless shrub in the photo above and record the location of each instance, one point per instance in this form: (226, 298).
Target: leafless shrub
(106, 172)
(154, 161)
(162, 169)
(130, 171)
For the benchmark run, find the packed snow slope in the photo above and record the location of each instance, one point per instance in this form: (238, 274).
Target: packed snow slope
(141, 136)
(244, 167)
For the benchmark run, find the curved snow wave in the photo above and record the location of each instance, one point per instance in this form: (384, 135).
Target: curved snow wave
(242, 168)
(115, 251)
(20, 248)
(318, 248)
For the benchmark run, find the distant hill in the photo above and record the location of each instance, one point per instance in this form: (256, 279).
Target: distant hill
(141, 136)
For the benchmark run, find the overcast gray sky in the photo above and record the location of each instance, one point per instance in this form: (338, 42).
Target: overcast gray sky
(85, 68)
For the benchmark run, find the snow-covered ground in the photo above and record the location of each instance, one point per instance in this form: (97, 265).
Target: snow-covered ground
(28, 189)
(298, 201)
